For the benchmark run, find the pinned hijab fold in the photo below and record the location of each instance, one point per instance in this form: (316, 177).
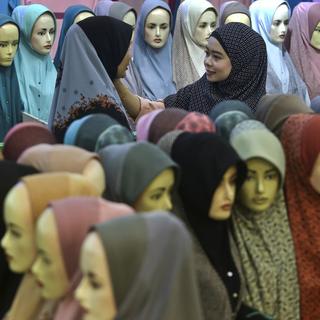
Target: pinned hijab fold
(151, 267)
(246, 82)
(231, 7)
(305, 57)
(10, 173)
(89, 89)
(187, 56)
(264, 238)
(282, 75)
(68, 19)
(303, 203)
(36, 72)
(201, 175)
(131, 167)
(274, 109)
(153, 64)
(10, 101)
(58, 157)
(74, 216)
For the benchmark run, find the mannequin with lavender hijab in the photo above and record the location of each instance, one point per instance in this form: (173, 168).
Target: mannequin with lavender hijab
(270, 19)
(187, 54)
(125, 13)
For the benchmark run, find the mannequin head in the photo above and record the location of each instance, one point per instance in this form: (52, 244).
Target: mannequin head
(206, 24)
(217, 63)
(315, 39)
(95, 293)
(94, 172)
(123, 66)
(43, 34)
(224, 195)
(315, 175)
(9, 41)
(49, 265)
(261, 186)
(130, 18)
(18, 241)
(238, 17)
(279, 26)
(157, 196)
(157, 28)
(83, 15)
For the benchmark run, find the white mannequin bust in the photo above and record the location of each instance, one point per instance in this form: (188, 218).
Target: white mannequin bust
(205, 26)
(279, 26)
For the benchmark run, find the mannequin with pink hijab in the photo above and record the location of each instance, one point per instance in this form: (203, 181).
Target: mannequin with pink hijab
(60, 231)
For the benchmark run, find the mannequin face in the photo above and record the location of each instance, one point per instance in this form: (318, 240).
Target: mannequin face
(9, 41)
(95, 173)
(279, 26)
(261, 186)
(238, 17)
(157, 28)
(49, 267)
(217, 63)
(315, 175)
(130, 18)
(43, 34)
(82, 15)
(157, 196)
(19, 240)
(224, 195)
(95, 293)
(205, 26)
(315, 39)
(123, 66)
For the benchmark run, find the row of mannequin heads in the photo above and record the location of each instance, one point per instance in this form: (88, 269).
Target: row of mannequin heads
(157, 30)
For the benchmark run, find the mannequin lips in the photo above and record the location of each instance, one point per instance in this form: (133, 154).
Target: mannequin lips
(260, 200)
(48, 47)
(8, 257)
(39, 283)
(226, 207)
(157, 40)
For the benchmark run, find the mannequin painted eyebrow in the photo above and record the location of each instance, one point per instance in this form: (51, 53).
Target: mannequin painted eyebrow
(162, 25)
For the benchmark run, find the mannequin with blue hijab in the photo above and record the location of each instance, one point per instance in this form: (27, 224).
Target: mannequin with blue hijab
(69, 18)
(10, 100)
(36, 72)
(153, 64)
(282, 75)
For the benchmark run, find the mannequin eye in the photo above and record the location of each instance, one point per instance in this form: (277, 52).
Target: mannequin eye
(213, 25)
(271, 176)
(151, 26)
(52, 31)
(3, 45)
(202, 25)
(41, 33)
(286, 22)
(15, 233)
(164, 26)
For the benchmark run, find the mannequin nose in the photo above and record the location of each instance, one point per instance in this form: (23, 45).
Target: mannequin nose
(158, 31)
(4, 240)
(10, 49)
(48, 37)
(260, 186)
(167, 203)
(35, 267)
(283, 28)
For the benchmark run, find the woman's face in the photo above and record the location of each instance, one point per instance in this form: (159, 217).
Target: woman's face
(217, 63)
(205, 26)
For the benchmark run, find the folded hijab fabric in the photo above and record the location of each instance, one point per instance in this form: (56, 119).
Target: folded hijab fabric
(10, 101)
(187, 56)
(315, 104)
(305, 57)
(154, 65)
(264, 238)
(246, 82)
(231, 7)
(282, 74)
(151, 267)
(36, 72)
(89, 89)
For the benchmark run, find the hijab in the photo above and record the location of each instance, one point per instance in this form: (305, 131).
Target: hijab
(10, 173)
(274, 109)
(282, 75)
(131, 167)
(74, 216)
(10, 100)
(154, 65)
(68, 19)
(196, 122)
(303, 203)
(36, 72)
(315, 104)
(231, 7)
(166, 142)
(201, 175)
(187, 56)
(246, 82)
(89, 89)
(305, 57)
(264, 238)
(151, 267)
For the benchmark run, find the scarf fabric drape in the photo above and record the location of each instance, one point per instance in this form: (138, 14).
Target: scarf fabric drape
(154, 65)
(89, 89)
(187, 56)
(10, 101)
(246, 82)
(151, 267)
(305, 57)
(303, 203)
(264, 238)
(231, 7)
(36, 72)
